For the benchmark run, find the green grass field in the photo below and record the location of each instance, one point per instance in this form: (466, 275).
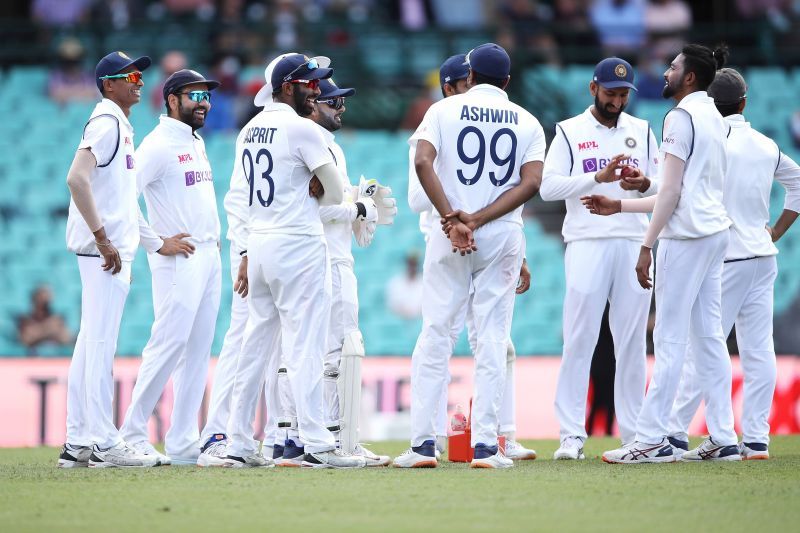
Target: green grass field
(752, 496)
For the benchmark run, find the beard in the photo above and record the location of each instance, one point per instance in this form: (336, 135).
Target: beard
(301, 104)
(187, 116)
(605, 112)
(669, 91)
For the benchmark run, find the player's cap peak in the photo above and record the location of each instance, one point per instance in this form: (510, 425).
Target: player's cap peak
(613, 73)
(116, 62)
(728, 87)
(329, 89)
(453, 69)
(491, 60)
(185, 77)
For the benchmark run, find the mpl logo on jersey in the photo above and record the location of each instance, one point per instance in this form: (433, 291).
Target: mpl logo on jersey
(588, 145)
(184, 158)
(193, 176)
(593, 164)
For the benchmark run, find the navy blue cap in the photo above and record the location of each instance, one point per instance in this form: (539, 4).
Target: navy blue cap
(329, 89)
(295, 67)
(613, 72)
(185, 77)
(116, 62)
(453, 69)
(490, 60)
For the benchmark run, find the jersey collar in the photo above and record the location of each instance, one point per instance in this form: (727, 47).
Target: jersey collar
(116, 110)
(175, 126)
(736, 120)
(279, 106)
(328, 136)
(485, 88)
(622, 121)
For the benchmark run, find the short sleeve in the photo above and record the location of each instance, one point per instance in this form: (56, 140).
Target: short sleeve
(311, 147)
(538, 145)
(428, 129)
(101, 137)
(678, 136)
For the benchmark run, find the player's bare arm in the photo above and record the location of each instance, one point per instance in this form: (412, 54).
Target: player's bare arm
(524, 278)
(81, 190)
(241, 286)
(530, 181)
(783, 223)
(460, 234)
(315, 188)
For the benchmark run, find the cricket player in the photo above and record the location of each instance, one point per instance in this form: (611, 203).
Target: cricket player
(690, 219)
(103, 232)
(215, 441)
(175, 178)
(288, 270)
(748, 277)
(490, 154)
(453, 80)
(585, 157)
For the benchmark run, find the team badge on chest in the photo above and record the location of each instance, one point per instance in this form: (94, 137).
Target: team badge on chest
(630, 142)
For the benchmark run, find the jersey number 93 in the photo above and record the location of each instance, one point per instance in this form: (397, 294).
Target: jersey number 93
(249, 165)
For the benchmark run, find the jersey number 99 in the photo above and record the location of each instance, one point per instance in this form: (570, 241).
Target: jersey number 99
(479, 158)
(250, 170)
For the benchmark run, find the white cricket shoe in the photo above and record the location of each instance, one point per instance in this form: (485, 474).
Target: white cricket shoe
(571, 449)
(679, 447)
(74, 456)
(423, 456)
(120, 456)
(214, 451)
(639, 452)
(333, 459)
(145, 448)
(711, 451)
(518, 452)
(753, 451)
(371, 458)
(255, 460)
(489, 457)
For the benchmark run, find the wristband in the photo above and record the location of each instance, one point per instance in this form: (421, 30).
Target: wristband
(361, 210)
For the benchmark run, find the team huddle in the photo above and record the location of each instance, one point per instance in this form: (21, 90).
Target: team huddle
(474, 161)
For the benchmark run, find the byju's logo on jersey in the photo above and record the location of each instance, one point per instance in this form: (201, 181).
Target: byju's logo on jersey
(193, 177)
(588, 145)
(190, 178)
(129, 161)
(590, 165)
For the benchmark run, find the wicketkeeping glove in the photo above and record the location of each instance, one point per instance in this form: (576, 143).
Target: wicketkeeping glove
(364, 231)
(385, 203)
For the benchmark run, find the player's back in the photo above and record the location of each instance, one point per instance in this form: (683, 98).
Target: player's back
(278, 150)
(483, 140)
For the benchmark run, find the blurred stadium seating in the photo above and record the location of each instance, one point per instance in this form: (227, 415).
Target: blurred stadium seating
(38, 140)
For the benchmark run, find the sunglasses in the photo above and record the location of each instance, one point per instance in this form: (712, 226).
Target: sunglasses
(312, 84)
(336, 103)
(130, 77)
(311, 64)
(198, 96)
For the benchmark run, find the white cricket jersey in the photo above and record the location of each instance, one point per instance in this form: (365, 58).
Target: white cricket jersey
(481, 140)
(696, 133)
(337, 220)
(277, 151)
(418, 199)
(109, 136)
(175, 177)
(581, 147)
(754, 160)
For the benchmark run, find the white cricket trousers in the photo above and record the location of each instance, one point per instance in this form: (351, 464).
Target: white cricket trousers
(90, 386)
(289, 305)
(747, 297)
(507, 424)
(600, 270)
(493, 271)
(186, 294)
(219, 409)
(688, 306)
(344, 320)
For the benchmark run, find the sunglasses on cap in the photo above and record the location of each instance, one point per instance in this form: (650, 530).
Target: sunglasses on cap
(130, 77)
(311, 64)
(312, 84)
(336, 102)
(198, 96)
